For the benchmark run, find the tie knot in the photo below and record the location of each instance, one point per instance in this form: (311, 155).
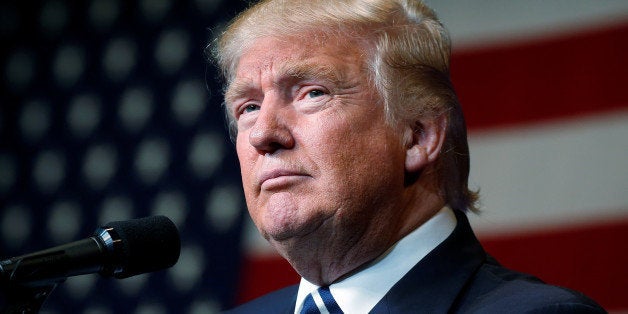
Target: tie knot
(320, 301)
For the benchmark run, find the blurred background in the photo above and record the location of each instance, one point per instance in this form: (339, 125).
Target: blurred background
(109, 111)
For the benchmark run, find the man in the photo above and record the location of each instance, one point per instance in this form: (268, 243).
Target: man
(354, 162)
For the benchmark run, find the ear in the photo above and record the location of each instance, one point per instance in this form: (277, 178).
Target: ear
(424, 141)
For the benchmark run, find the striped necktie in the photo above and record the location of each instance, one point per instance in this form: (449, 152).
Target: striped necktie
(320, 301)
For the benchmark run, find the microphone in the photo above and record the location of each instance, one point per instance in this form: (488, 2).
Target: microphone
(119, 249)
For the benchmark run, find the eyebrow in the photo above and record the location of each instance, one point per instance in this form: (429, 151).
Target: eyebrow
(315, 71)
(236, 89)
(288, 72)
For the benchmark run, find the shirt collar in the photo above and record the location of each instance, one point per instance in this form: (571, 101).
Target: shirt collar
(360, 292)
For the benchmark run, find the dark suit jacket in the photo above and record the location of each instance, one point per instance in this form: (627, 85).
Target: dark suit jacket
(456, 277)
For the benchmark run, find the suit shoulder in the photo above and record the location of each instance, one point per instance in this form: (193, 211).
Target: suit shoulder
(280, 301)
(496, 289)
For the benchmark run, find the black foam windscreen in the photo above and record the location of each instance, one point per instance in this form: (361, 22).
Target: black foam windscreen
(147, 244)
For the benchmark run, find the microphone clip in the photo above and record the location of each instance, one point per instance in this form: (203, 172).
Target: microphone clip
(18, 298)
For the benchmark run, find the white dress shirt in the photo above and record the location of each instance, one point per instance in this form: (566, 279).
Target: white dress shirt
(360, 292)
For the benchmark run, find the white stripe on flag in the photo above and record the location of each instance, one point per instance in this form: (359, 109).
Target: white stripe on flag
(552, 174)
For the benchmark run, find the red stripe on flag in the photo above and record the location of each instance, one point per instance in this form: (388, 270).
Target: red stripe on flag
(561, 77)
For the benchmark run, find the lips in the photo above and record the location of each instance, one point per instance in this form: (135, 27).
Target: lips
(278, 178)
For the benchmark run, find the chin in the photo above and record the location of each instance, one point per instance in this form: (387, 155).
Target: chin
(280, 233)
(286, 231)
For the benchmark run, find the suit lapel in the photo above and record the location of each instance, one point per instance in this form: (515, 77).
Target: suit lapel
(287, 301)
(278, 302)
(433, 285)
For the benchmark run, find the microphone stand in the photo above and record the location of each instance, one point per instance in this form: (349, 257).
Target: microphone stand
(22, 299)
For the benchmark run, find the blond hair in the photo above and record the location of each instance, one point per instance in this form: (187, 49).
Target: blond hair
(407, 51)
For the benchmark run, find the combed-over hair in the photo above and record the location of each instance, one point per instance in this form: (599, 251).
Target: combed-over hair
(407, 53)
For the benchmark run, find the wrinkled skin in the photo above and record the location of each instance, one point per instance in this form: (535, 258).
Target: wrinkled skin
(323, 172)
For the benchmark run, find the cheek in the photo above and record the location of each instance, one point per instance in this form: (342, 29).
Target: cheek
(358, 164)
(245, 153)
(246, 159)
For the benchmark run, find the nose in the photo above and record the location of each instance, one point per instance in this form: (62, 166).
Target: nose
(271, 131)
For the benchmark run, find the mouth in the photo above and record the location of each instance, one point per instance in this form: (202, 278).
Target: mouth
(280, 178)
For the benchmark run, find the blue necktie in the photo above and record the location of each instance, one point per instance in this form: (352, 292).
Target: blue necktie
(329, 304)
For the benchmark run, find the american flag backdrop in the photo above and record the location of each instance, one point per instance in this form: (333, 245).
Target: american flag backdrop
(108, 111)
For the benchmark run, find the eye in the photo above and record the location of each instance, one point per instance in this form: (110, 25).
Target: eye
(248, 108)
(315, 93)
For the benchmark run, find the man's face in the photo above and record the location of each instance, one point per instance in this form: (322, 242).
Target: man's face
(318, 160)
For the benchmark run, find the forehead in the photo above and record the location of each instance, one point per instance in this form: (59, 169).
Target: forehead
(300, 58)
